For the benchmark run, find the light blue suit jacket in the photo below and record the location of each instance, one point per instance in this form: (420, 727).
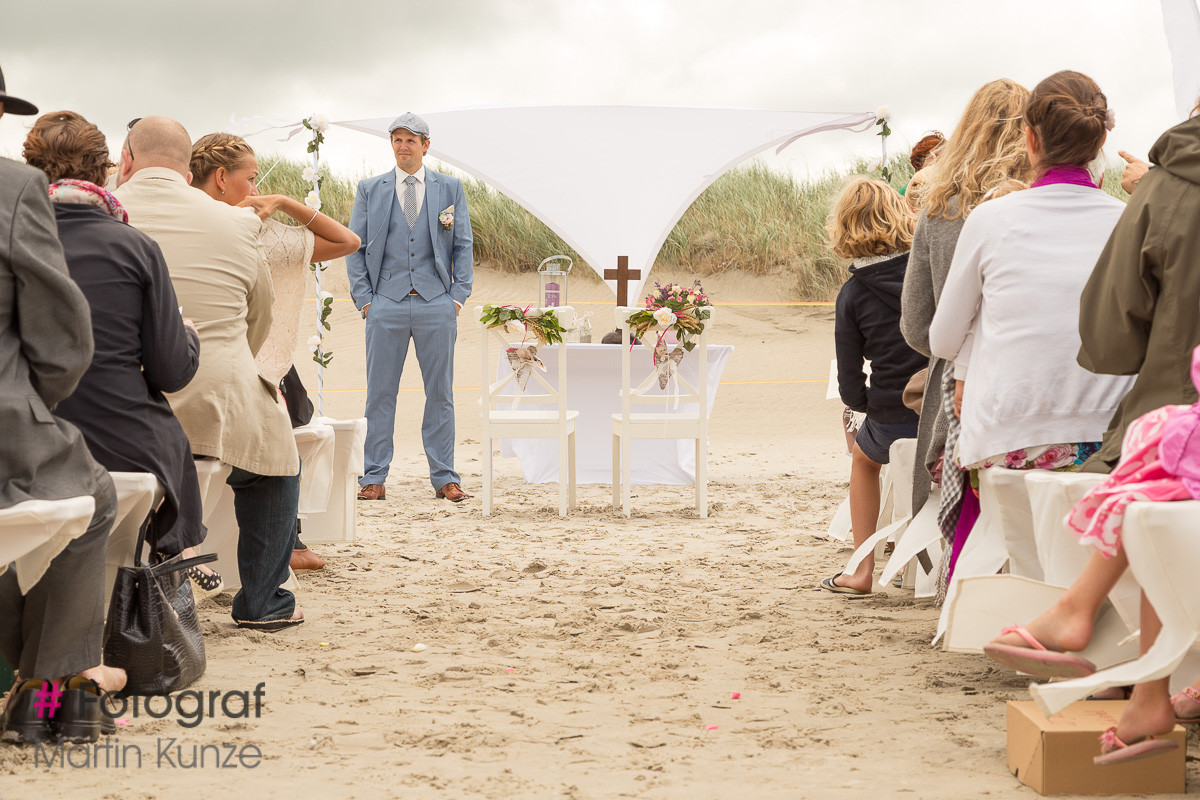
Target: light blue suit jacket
(372, 214)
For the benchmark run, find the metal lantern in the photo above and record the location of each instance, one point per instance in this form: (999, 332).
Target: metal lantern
(552, 276)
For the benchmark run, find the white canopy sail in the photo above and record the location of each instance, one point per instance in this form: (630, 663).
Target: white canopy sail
(610, 180)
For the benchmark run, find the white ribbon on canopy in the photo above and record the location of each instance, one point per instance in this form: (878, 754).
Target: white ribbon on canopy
(610, 180)
(1181, 19)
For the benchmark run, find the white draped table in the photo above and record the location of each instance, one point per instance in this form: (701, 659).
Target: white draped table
(594, 390)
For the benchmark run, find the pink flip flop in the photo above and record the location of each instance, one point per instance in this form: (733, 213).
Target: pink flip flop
(1114, 751)
(1036, 660)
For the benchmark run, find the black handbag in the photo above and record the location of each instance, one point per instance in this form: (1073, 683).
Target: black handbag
(295, 397)
(152, 631)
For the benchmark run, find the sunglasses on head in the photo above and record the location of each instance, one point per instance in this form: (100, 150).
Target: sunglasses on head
(129, 127)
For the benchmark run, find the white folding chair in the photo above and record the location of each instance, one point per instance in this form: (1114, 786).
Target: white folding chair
(315, 443)
(33, 532)
(338, 523)
(691, 424)
(1161, 542)
(137, 494)
(513, 422)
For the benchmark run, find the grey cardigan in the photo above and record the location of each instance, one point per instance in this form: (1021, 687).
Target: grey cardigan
(928, 264)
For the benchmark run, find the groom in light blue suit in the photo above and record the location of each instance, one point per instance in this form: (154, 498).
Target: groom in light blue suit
(410, 278)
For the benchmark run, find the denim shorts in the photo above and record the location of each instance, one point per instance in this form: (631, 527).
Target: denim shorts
(875, 438)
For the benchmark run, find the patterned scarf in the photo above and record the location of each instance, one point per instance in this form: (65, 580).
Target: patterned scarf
(954, 481)
(85, 193)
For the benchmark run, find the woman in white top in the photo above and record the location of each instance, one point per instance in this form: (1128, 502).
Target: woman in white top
(1019, 267)
(224, 167)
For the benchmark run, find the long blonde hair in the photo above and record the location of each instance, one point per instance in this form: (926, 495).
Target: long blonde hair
(869, 219)
(987, 146)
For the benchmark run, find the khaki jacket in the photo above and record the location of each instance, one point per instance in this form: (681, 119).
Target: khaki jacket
(221, 279)
(1140, 311)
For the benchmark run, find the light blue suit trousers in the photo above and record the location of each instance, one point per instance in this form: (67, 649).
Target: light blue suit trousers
(433, 328)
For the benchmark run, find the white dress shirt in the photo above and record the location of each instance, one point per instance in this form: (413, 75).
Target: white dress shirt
(401, 175)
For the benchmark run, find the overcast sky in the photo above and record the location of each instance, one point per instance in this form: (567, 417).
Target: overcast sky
(205, 64)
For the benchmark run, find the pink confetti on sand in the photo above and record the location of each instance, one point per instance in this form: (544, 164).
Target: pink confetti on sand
(736, 696)
(710, 727)
(123, 721)
(509, 670)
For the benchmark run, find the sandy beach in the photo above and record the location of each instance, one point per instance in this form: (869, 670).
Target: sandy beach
(593, 657)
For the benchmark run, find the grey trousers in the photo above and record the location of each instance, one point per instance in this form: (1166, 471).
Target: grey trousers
(57, 628)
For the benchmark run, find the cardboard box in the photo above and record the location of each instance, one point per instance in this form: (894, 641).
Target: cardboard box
(1054, 755)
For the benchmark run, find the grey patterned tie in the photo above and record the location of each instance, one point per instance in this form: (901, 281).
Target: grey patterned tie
(410, 200)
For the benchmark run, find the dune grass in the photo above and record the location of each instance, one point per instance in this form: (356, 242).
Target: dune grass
(750, 220)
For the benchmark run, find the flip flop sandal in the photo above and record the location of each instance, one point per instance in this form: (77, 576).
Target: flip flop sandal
(1114, 751)
(830, 585)
(269, 625)
(1192, 695)
(1035, 659)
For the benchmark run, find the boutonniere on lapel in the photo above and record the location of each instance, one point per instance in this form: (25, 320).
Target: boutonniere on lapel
(446, 218)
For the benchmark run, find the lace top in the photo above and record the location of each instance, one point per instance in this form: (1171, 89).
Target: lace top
(288, 250)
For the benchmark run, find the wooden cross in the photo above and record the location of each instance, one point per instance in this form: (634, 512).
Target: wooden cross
(622, 275)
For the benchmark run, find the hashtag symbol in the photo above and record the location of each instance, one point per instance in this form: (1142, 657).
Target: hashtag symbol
(47, 702)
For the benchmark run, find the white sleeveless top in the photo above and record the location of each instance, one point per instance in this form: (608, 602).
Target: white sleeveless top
(288, 250)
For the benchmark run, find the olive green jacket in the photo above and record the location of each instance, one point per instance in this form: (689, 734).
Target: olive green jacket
(1140, 310)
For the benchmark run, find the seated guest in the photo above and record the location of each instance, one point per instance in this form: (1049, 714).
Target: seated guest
(51, 614)
(921, 153)
(143, 346)
(871, 225)
(986, 147)
(224, 167)
(1138, 314)
(228, 411)
(1160, 462)
(1026, 403)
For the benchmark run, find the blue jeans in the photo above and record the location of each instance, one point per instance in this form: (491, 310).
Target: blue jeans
(265, 507)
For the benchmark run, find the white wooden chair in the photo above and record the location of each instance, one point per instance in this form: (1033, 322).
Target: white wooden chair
(33, 532)
(513, 422)
(629, 426)
(1164, 556)
(137, 494)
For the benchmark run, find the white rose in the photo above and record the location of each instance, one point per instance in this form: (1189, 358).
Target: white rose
(319, 122)
(515, 327)
(309, 175)
(883, 114)
(324, 295)
(313, 200)
(664, 317)
(314, 342)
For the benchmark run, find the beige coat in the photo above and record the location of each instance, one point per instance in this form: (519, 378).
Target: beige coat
(221, 279)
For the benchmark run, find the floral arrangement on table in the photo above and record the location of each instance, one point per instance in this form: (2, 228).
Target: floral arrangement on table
(672, 307)
(318, 123)
(544, 326)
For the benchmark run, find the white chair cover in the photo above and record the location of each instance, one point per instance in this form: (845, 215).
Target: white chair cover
(315, 442)
(35, 531)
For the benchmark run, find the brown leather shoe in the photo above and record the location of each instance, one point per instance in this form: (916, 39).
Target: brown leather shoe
(306, 559)
(452, 492)
(372, 491)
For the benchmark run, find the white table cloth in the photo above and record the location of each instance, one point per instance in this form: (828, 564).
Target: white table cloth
(594, 389)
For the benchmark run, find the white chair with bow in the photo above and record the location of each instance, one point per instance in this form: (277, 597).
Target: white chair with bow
(544, 415)
(668, 423)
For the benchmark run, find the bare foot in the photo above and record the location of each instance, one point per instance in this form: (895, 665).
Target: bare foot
(1060, 629)
(111, 679)
(1186, 704)
(860, 581)
(1145, 718)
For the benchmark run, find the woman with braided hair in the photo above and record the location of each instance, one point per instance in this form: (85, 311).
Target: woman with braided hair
(224, 167)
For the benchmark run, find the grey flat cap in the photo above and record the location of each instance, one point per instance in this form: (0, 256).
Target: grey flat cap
(410, 122)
